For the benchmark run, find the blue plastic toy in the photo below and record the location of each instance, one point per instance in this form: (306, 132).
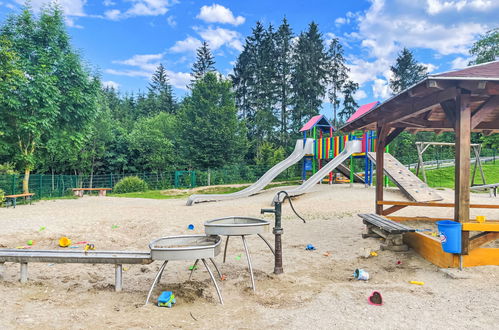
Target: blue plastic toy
(166, 299)
(310, 247)
(190, 227)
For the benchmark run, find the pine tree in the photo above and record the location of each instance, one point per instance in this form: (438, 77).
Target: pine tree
(338, 74)
(160, 97)
(309, 77)
(210, 134)
(283, 75)
(406, 71)
(255, 86)
(349, 104)
(205, 62)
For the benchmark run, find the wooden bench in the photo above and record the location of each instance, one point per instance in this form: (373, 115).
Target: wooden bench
(492, 188)
(117, 258)
(391, 231)
(12, 199)
(79, 191)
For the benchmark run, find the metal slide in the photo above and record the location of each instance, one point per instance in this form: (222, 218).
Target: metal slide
(352, 147)
(297, 155)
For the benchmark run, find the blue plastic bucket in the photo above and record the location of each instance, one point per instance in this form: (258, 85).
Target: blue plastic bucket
(450, 235)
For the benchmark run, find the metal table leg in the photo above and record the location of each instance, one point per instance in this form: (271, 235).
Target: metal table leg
(268, 244)
(24, 272)
(225, 249)
(118, 278)
(158, 275)
(213, 280)
(192, 270)
(249, 262)
(216, 267)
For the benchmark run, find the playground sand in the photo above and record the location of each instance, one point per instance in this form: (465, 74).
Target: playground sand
(316, 291)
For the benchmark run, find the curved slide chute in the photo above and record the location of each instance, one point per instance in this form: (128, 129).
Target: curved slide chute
(352, 147)
(300, 151)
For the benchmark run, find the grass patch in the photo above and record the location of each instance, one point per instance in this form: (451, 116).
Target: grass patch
(177, 193)
(444, 177)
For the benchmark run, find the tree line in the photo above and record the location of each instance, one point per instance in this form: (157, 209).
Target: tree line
(56, 117)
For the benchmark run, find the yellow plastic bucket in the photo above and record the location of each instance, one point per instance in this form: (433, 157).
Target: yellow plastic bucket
(64, 242)
(480, 218)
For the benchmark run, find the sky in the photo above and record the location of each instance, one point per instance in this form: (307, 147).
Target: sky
(125, 40)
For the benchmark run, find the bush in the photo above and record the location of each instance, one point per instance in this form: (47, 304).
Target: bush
(2, 196)
(130, 184)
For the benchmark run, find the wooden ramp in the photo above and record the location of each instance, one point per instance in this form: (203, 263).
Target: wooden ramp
(345, 170)
(407, 181)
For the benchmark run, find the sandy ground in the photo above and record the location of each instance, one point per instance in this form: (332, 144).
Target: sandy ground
(316, 291)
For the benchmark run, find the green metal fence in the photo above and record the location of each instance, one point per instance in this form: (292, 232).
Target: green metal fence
(48, 185)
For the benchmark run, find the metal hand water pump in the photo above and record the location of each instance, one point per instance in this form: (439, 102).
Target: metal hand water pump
(278, 230)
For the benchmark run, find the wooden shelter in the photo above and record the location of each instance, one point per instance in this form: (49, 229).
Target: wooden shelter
(462, 101)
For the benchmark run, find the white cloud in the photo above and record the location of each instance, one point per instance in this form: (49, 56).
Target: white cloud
(218, 37)
(148, 8)
(219, 14)
(146, 62)
(171, 21)
(71, 23)
(360, 94)
(340, 21)
(145, 65)
(111, 84)
(437, 6)
(113, 14)
(141, 8)
(179, 79)
(129, 73)
(459, 63)
(108, 3)
(430, 67)
(442, 27)
(190, 44)
(381, 89)
(69, 7)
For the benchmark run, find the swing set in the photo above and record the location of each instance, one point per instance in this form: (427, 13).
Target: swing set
(423, 146)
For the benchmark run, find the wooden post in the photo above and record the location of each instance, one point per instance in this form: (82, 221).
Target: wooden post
(462, 170)
(381, 133)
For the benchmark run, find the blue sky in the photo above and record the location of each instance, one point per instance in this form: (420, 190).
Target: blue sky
(126, 39)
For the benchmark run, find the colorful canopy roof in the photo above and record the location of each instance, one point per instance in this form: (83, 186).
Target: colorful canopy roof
(362, 110)
(320, 121)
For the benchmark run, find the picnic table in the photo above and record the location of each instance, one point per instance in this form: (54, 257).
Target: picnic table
(79, 191)
(12, 199)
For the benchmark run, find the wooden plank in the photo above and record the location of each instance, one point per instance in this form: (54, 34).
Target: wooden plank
(408, 182)
(401, 218)
(19, 195)
(381, 132)
(488, 107)
(482, 257)
(484, 226)
(425, 204)
(396, 132)
(393, 209)
(483, 238)
(463, 165)
(430, 249)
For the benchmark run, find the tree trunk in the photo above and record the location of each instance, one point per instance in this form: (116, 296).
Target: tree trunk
(27, 171)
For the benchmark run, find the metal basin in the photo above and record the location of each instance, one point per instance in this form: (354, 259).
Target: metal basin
(185, 247)
(236, 226)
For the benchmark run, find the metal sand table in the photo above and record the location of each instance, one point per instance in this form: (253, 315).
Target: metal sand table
(185, 247)
(238, 226)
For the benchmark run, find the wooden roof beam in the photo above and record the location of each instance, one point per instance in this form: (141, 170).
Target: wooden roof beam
(419, 106)
(486, 109)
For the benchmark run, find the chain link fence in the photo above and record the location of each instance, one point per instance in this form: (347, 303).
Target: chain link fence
(58, 185)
